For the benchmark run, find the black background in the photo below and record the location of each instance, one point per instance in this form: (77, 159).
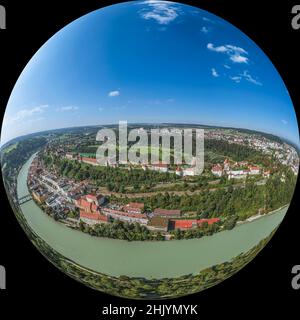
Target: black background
(35, 288)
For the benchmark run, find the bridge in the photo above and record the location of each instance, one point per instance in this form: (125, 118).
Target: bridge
(24, 199)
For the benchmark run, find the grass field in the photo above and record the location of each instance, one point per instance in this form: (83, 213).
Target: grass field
(11, 147)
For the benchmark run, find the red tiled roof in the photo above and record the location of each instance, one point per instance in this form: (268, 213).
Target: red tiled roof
(94, 197)
(254, 168)
(94, 207)
(209, 221)
(189, 223)
(84, 203)
(185, 224)
(93, 216)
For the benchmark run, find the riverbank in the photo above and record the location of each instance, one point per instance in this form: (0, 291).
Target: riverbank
(151, 259)
(121, 230)
(259, 216)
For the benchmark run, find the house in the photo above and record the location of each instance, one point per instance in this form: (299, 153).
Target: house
(92, 218)
(125, 216)
(134, 207)
(89, 208)
(254, 170)
(185, 224)
(237, 174)
(96, 198)
(217, 170)
(166, 213)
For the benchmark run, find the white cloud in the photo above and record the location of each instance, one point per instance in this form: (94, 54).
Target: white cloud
(207, 19)
(204, 30)
(214, 72)
(26, 113)
(236, 49)
(238, 58)
(236, 54)
(67, 108)
(245, 76)
(236, 79)
(115, 93)
(227, 66)
(211, 47)
(284, 122)
(160, 11)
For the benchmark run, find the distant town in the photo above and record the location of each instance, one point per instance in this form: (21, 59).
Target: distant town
(162, 201)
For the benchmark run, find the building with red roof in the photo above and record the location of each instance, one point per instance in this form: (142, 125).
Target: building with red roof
(254, 169)
(89, 208)
(92, 218)
(125, 216)
(217, 170)
(185, 224)
(95, 198)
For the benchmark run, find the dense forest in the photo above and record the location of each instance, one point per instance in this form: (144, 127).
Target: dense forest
(115, 179)
(243, 201)
(121, 230)
(236, 152)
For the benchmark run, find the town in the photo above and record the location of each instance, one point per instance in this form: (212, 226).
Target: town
(76, 201)
(65, 197)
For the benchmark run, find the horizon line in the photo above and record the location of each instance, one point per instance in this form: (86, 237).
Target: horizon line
(157, 123)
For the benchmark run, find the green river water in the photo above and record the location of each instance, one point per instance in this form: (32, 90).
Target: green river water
(144, 259)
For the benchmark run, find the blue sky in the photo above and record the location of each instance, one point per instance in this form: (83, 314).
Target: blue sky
(149, 61)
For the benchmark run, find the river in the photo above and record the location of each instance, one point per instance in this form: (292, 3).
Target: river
(144, 259)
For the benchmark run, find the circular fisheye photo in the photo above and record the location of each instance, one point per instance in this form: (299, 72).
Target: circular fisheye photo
(150, 150)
